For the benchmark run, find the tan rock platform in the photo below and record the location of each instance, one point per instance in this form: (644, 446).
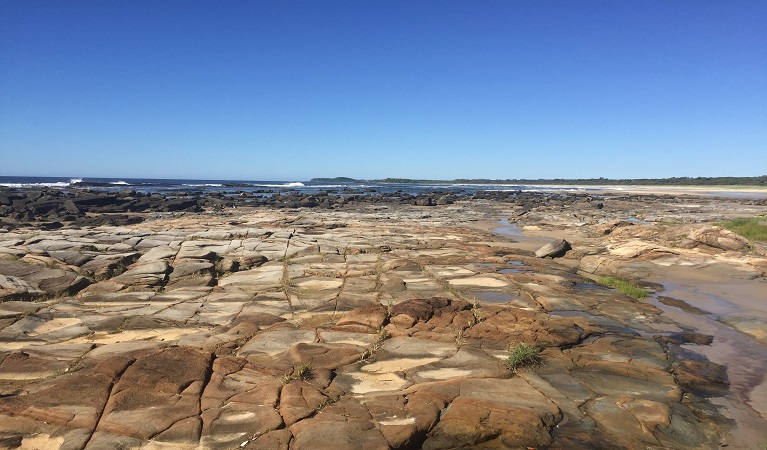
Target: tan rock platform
(382, 327)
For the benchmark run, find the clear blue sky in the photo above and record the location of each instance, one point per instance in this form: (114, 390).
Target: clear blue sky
(289, 90)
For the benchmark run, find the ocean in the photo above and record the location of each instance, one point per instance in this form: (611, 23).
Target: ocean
(235, 187)
(146, 185)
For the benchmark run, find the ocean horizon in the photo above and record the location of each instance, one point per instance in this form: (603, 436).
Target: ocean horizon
(160, 185)
(185, 186)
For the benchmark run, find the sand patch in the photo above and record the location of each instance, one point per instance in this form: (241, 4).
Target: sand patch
(237, 417)
(42, 442)
(397, 365)
(320, 284)
(479, 281)
(396, 421)
(445, 374)
(375, 382)
(168, 334)
(55, 324)
(450, 271)
(342, 337)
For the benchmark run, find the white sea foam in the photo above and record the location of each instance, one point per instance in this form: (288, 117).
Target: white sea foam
(289, 185)
(121, 183)
(60, 184)
(203, 185)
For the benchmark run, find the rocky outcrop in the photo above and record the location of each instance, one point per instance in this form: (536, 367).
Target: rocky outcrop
(287, 331)
(716, 237)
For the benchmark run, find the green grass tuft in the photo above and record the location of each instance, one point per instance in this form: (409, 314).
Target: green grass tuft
(754, 228)
(623, 286)
(302, 372)
(523, 355)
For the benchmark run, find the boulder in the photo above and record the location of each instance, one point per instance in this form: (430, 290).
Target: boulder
(553, 249)
(70, 207)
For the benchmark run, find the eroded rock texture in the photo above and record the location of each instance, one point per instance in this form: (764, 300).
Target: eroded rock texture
(338, 330)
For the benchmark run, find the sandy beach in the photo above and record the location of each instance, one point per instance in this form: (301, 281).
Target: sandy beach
(384, 323)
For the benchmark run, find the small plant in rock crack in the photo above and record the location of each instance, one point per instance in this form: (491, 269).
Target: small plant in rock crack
(389, 306)
(112, 271)
(302, 372)
(26, 313)
(475, 311)
(458, 337)
(123, 325)
(285, 280)
(378, 341)
(523, 355)
(325, 403)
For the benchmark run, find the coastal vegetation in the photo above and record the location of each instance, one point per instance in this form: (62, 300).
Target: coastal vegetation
(759, 181)
(523, 355)
(302, 372)
(624, 286)
(754, 228)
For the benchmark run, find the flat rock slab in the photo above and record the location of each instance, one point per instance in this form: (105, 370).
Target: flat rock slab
(339, 328)
(276, 341)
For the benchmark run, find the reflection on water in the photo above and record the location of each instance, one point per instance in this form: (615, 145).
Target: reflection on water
(493, 296)
(744, 357)
(515, 232)
(516, 267)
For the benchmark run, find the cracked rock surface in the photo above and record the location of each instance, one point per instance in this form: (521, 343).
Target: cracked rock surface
(374, 328)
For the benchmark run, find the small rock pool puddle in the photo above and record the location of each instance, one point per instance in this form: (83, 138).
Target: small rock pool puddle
(509, 229)
(493, 296)
(744, 357)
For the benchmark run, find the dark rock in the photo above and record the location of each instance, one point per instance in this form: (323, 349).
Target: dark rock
(424, 201)
(70, 207)
(688, 338)
(42, 207)
(697, 374)
(98, 200)
(51, 226)
(180, 204)
(681, 304)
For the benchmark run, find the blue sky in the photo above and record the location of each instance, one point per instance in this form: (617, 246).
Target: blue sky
(289, 90)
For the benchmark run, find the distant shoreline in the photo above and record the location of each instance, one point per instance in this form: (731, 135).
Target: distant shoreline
(701, 190)
(757, 183)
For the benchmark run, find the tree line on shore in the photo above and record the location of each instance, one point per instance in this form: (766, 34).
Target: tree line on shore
(674, 181)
